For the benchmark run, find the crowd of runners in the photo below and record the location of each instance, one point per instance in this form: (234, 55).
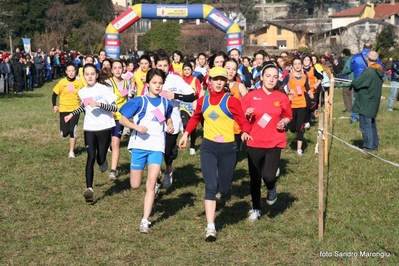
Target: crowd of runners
(153, 99)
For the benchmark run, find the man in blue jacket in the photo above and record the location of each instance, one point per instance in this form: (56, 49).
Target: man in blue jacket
(358, 65)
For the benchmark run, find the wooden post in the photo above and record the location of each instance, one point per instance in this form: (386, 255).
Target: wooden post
(321, 174)
(324, 126)
(332, 85)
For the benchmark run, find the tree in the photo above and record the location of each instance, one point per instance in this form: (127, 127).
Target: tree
(162, 35)
(61, 19)
(304, 8)
(86, 38)
(385, 41)
(101, 11)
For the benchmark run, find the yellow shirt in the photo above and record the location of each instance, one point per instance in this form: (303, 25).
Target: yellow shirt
(82, 79)
(138, 82)
(178, 67)
(68, 94)
(120, 100)
(218, 121)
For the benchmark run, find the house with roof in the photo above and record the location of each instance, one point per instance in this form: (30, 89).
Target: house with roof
(279, 35)
(353, 27)
(388, 12)
(352, 36)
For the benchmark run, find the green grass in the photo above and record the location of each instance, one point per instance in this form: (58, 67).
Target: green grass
(45, 221)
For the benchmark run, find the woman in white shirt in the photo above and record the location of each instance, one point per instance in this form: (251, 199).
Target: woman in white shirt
(98, 102)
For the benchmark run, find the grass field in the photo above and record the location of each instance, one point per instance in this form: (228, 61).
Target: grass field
(44, 219)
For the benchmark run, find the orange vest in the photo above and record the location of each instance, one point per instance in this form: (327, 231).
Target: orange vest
(218, 121)
(297, 101)
(312, 79)
(235, 92)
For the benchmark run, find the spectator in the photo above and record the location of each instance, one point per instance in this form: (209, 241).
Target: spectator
(346, 73)
(369, 88)
(394, 83)
(5, 70)
(358, 65)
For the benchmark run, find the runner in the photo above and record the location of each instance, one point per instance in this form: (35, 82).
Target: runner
(98, 103)
(219, 110)
(151, 120)
(67, 88)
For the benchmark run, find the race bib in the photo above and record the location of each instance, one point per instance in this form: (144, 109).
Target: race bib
(299, 90)
(219, 138)
(124, 92)
(264, 120)
(159, 116)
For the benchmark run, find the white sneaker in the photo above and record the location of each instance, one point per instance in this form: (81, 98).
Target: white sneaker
(145, 226)
(192, 151)
(210, 234)
(300, 152)
(71, 155)
(112, 175)
(253, 215)
(156, 189)
(307, 125)
(168, 179)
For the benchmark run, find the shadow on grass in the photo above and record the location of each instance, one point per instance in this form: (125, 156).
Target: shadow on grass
(172, 206)
(233, 214)
(118, 186)
(13, 96)
(358, 143)
(284, 202)
(293, 144)
(185, 176)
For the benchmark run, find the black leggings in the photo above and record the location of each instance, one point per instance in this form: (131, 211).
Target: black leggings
(297, 122)
(193, 136)
(97, 143)
(170, 148)
(262, 164)
(238, 141)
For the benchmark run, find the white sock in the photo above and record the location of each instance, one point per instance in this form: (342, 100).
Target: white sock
(211, 225)
(144, 220)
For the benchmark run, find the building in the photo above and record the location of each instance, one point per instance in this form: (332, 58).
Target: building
(280, 36)
(388, 12)
(352, 36)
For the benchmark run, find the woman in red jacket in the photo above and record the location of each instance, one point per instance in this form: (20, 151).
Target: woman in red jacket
(269, 112)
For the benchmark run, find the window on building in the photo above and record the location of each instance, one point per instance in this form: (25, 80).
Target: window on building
(279, 29)
(282, 44)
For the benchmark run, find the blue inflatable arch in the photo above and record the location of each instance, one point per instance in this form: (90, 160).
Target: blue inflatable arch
(154, 11)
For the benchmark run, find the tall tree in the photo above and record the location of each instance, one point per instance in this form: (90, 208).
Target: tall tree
(385, 41)
(61, 19)
(101, 11)
(163, 35)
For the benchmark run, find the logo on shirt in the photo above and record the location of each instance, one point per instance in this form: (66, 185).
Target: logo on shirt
(213, 115)
(257, 99)
(276, 103)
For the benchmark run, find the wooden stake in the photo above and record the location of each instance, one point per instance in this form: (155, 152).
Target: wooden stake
(321, 174)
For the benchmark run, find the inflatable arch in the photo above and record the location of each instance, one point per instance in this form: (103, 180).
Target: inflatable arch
(154, 11)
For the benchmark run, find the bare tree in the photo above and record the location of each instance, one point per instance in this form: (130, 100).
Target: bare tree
(45, 40)
(91, 36)
(61, 19)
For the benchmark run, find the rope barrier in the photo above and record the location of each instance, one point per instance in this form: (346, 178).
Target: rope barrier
(339, 80)
(322, 131)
